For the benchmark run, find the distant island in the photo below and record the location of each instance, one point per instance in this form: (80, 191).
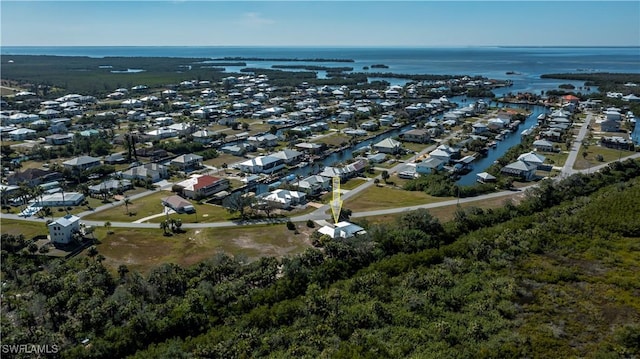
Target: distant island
(239, 58)
(313, 68)
(379, 66)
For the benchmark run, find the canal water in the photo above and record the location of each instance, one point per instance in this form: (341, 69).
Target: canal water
(511, 139)
(346, 155)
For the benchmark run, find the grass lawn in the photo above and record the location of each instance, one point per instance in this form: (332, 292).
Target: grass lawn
(446, 213)
(144, 249)
(608, 154)
(28, 228)
(142, 207)
(205, 213)
(223, 158)
(414, 146)
(558, 158)
(334, 140)
(384, 197)
(352, 183)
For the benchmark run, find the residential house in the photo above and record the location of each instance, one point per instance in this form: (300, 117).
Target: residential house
(430, 165)
(111, 186)
(188, 162)
(479, 128)
(178, 204)
(289, 156)
(59, 199)
(262, 164)
(532, 158)
(342, 230)
(485, 177)
(264, 141)
(311, 148)
(416, 135)
(33, 177)
(152, 171)
(81, 163)
(521, 169)
(21, 134)
(239, 149)
(61, 230)
(59, 139)
(314, 185)
(543, 146)
(202, 186)
(388, 145)
(284, 199)
(114, 159)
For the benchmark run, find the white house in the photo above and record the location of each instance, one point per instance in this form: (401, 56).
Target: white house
(285, 199)
(262, 164)
(61, 230)
(342, 230)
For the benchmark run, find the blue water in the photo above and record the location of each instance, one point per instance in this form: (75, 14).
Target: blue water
(527, 62)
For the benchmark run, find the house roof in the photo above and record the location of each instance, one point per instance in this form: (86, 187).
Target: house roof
(205, 181)
(287, 154)
(542, 143)
(531, 157)
(82, 160)
(388, 143)
(342, 230)
(176, 202)
(520, 166)
(65, 221)
(187, 158)
(430, 162)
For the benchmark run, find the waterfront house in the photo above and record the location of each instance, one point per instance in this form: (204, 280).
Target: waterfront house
(388, 145)
(311, 148)
(314, 185)
(262, 164)
(479, 128)
(485, 177)
(285, 199)
(430, 165)
(532, 158)
(264, 141)
(202, 186)
(543, 146)
(520, 169)
(289, 156)
(416, 135)
(61, 230)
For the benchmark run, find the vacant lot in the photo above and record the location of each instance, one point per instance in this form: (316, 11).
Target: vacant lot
(143, 249)
(382, 197)
(591, 160)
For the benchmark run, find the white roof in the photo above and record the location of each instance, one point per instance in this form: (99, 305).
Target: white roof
(342, 230)
(66, 221)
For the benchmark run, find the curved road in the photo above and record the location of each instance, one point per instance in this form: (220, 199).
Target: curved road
(321, 212)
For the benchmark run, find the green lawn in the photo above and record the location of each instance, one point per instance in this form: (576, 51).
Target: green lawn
(352, 183)
(335, 140)
(608, 154)
(28, 228)
(556, 158)
(139, 208)
(223, 158)
(384, 197)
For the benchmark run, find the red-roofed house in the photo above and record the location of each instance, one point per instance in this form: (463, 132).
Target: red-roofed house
(571, 99)
(201, 186)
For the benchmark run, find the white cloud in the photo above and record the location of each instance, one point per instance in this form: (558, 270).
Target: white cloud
(255, 19)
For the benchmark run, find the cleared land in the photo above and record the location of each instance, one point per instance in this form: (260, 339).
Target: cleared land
(608, 155)
(383, 197)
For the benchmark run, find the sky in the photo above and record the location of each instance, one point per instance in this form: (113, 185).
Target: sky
(319, 23)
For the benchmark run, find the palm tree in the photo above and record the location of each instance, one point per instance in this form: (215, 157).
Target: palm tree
(126, 202)
(107, 225)
(164, 225)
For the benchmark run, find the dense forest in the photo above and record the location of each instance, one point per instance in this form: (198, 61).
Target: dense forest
(554, 275)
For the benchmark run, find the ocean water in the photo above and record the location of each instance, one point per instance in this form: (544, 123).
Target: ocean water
(527, 63)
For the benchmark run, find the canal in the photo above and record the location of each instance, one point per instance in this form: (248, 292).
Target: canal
(479, 165)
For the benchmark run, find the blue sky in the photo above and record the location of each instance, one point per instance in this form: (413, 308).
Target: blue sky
(319, 23)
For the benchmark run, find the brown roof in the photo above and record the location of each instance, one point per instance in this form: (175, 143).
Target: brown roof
(176, 202)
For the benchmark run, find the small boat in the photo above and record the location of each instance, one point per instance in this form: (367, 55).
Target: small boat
(499, 137)
(542, 116)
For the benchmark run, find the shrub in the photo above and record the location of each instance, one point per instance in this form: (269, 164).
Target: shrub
(290, 226)
(310, 223)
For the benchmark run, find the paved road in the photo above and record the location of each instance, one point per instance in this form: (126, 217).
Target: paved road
(567, 169)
